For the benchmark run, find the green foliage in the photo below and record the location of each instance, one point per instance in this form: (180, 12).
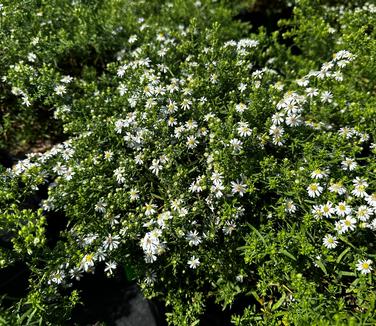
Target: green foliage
(210, 163)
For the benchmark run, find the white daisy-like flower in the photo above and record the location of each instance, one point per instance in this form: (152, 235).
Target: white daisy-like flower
(236, 144)
(342, 209)
(312, 92)
(319, 174)
(241, 107)
(363, 213)
(278, 118)
(110, 267)
(229, 227)
(244, 129)
(216, 177)
(290, 206)
(60, 90)
(191, 142)
(314, 190)
(293, 120)
(317, 212)
(338, 226)
(326, 97)
(155, 166)
(330, 241)
(238, 188)
(337, 188)
(349, 223)
(327, 209)
(193, 262)
(111, 242)
(276, 131)
(88, 262)
(193, 238)
(364, 266)
(108, 155)
(100, 206)
(134, 194)
(150, 209)
(371, 200)
(349, 164)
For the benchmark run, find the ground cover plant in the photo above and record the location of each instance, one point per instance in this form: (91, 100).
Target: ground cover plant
(211, 163)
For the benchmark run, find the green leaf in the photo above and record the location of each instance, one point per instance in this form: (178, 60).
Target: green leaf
(322, 266)
(279, 302)
(344, 273)
(343, 253)
(258, 234)
(286, 253)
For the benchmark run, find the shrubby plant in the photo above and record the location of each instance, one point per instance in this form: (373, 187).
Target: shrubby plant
(218, 165)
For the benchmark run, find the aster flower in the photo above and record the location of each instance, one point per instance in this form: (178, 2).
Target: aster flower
(342, 209)
(349, 223)
(238, 188)
(193, 238)
(330, 241)
(364, 266)
(110, 267)
(314, 190)
(193, 262)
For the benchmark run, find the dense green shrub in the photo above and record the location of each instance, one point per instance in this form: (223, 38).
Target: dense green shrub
(218, 165)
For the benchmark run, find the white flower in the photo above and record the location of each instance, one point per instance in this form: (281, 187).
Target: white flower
(111, 242)
(349, 223)
(186, 104)
(87, 262)
(108, 155)
(193, 262)
(330, 241)
(195, 186)
(229, 227)
(314, 190)
(242, 87)
(337, 188)
(290, 207)
(360, 186)
(276, 131)
(193, 238)
(319, 174)
(119, 175)
(339, 227)
(155, 167)
(371, 199)
(363, 213)
(364, 266)
(241, 107)
(191, 142)
(110, 266)
(236, 144)
(244, 129)
(150, 209)
(349, 164)
(100, 206)
(311, 92)
(277, 118)
(134, 194)
(326, 97)
(327, 209)
(293, 120)
(238, 187)
(317, 212)
(216, 177)
(60, 90)
(342, 209)
(66, 79)
(58, 277)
